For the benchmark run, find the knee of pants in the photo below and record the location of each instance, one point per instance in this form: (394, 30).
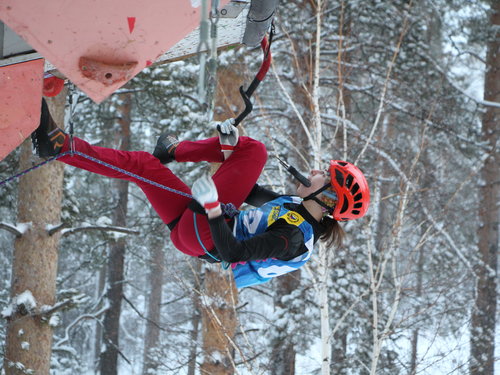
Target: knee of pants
(256, 148)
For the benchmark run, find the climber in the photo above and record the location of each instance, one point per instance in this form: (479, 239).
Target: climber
(274, 238)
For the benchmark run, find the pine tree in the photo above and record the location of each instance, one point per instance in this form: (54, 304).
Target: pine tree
(485, 306)
(34, 267)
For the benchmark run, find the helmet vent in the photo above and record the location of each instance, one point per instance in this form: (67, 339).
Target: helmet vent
(339, 177)
(348, 181)
(345, 205)
(342, 163)
(358, 205)
(358, 197)
(355, 188)
(355, 212)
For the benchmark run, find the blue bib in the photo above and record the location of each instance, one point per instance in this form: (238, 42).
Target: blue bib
(251, 222)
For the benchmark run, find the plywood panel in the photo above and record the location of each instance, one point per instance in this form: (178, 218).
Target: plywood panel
(20, 102)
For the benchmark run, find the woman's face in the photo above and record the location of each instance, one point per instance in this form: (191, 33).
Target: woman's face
(318, 180)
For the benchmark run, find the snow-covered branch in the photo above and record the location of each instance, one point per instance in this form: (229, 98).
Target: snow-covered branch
(95, 316)
(104, 228)
(17, 230)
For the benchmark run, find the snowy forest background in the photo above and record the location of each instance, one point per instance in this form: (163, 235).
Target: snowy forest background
(396, 87)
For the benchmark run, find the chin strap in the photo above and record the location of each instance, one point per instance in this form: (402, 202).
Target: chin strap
(313, 196)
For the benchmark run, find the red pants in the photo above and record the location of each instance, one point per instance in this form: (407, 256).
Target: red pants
(234, 180)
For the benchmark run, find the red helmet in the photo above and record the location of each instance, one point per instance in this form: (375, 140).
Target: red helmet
(352, 191)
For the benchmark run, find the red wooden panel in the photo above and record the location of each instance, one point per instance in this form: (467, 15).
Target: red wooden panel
(20, 102)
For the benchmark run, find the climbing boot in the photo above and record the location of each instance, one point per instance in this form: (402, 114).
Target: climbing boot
(47, 139)
(165, 148)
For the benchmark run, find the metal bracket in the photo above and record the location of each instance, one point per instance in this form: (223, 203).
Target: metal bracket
(233, 9)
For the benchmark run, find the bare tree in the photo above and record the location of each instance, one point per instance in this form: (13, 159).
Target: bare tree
(152, 335)
(116, 258)
(283, 351)
(220, 295)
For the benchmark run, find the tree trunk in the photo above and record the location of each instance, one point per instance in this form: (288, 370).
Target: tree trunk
(154, 307)
(116, 259)
(218, 312)
(339, 352)
(195, 322)
(34, 269)
(282, 346)
(218, 321)
(416, 331)
(484, 312)
(101, 284)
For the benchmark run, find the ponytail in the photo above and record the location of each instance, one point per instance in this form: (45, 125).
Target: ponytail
(333, 234)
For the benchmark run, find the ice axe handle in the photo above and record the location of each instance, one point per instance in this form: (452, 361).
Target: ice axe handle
(266, 63)
(299, 176)
(295, 173)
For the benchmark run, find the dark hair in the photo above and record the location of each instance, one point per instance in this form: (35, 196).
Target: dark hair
(333, 234)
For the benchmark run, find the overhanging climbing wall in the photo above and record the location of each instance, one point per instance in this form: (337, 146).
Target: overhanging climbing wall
(100, 45)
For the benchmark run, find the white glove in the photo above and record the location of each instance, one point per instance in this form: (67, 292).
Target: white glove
(205, 192)
(228, 136)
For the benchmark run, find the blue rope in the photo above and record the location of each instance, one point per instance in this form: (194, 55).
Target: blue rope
(143, 179)
(227, 208)
(225, 265)
(199, 239)
(20, 174)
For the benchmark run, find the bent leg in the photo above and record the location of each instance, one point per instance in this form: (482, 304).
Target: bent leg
(234, 180)
(169, 205)
(195, 151)
(238, 174)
